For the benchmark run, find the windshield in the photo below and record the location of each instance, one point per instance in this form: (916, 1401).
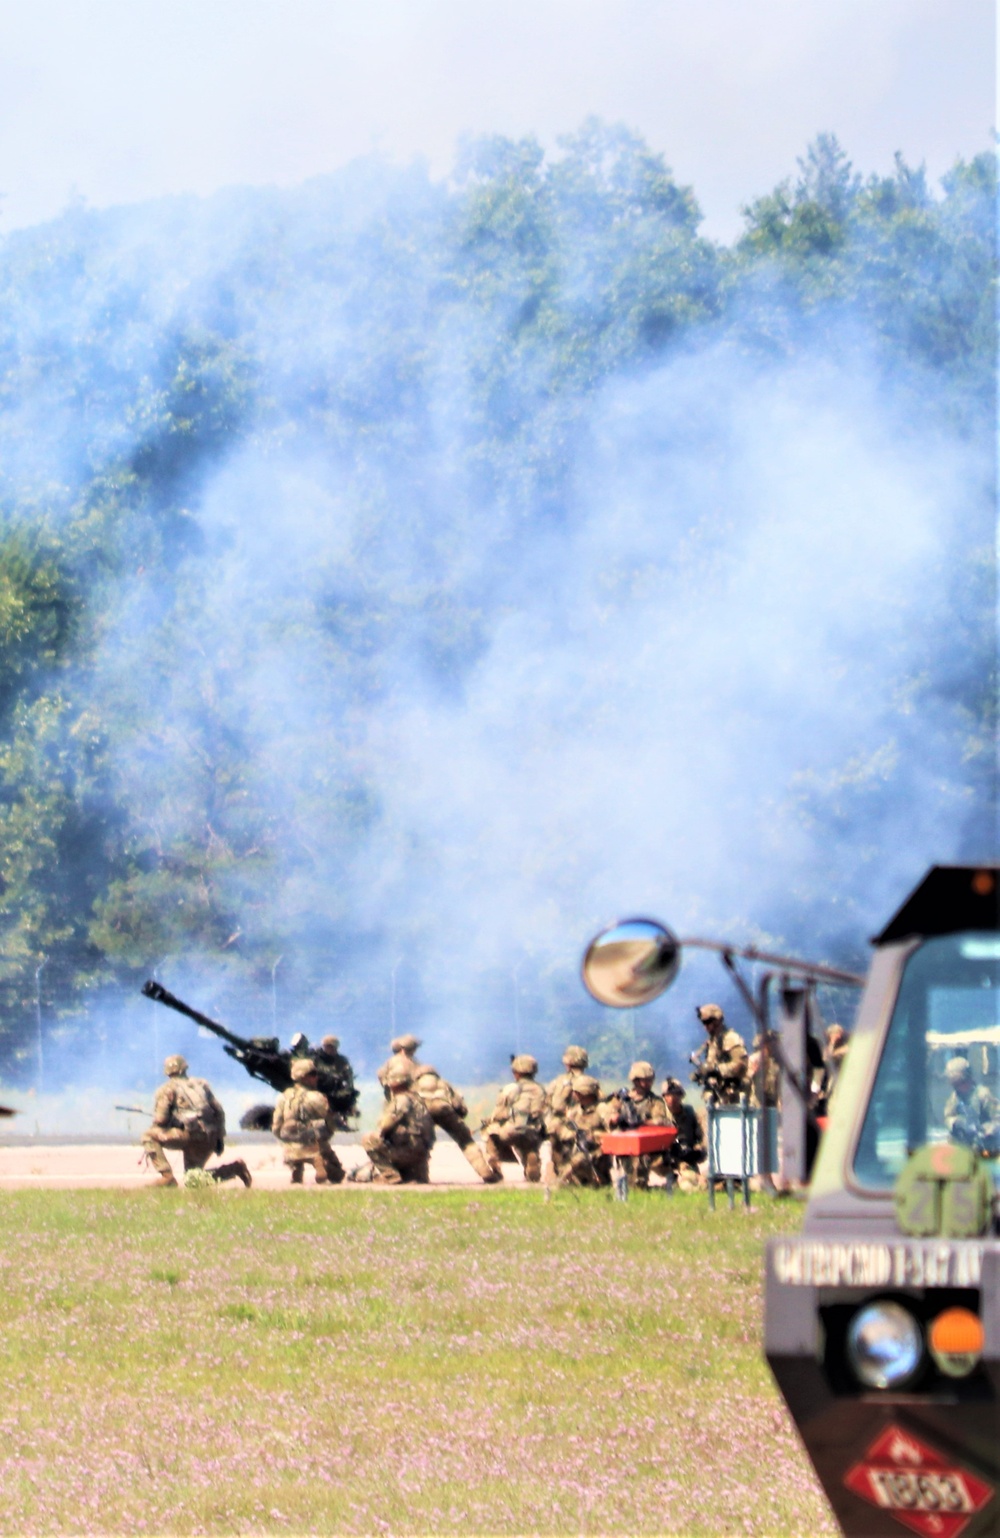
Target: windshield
(939, 1076)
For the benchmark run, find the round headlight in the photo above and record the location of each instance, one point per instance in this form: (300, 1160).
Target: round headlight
(884, 1345)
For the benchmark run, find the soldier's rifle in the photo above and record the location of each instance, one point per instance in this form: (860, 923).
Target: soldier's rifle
(137, 1110)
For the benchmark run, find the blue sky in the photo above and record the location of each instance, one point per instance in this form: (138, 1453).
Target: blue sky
(121, 100)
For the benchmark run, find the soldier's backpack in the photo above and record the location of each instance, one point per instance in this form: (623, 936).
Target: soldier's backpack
(527, 1106)
(301, 1123)
(197, 1109)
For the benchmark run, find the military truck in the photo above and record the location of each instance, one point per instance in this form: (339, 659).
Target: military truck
(883, 1316)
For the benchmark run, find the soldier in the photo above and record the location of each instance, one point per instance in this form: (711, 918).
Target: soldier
(721, 1063)
(640, 1107)
(835, 1048)
(303, 1122)
(400, 1146)
(187, 1116)
(560, 1093)
(448, 1111)
(971, 1113)
(516, 1129)
(688, 1148)
(763, 1077)
(334, 1075)
(575, 1061)
(577, 1134)
(402, 1049)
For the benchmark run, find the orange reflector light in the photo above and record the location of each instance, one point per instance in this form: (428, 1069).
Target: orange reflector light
(956, 1341)
(983, 883)
(957, 1332)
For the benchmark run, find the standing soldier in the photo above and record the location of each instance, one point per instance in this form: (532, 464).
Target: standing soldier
(187, 1116)
(642, 1108)
(971, 1113)
(448, 1111)
(688, 1148)
(303, 1122)
(400, 1146)
(402, 1049)
(763, 1073)
(577, 1135)
(721, 1063)
(516, 1129)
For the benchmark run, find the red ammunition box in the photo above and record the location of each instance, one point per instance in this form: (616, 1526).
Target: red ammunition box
(638, 1140)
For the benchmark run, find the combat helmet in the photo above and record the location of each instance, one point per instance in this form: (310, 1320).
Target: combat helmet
(175, 1066)
(585, 1086)
(709, 1013)
(524, 1063)
(404, 1044)
(301, 1068)
(956, 1069)
(330, 1043)
(674, 1087)
(576, 1057)
(398, 1077)
(641, 1070)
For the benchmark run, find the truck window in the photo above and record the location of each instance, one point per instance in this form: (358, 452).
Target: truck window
(947, 1010)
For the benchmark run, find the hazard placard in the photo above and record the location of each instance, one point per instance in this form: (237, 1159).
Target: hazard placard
(921, 1488)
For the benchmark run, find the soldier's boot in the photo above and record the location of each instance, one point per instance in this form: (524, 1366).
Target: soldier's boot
(532, 1166)
(387, 1176)
(329, 1170)
(492, 1153)
(235, 1170)
(165, 1180)
(487, 1174)
(296, 1174)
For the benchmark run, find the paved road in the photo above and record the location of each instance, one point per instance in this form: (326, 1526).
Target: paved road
(119, 1165)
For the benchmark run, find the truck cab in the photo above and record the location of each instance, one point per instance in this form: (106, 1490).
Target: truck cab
(882, 1321)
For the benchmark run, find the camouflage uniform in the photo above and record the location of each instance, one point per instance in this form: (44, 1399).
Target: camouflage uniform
(560, 1093)
(448, 1111)
(651, 1110)
(302, 1121)
(399, 1148)
(402, 1048)
(688, 1148)
(772, 1078)
(582, 1122)
(187, 1116)
(725, 1054)
(516, 1128)
(971, 1114)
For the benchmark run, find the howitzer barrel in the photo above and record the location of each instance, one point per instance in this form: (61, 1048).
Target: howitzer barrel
(161, 995)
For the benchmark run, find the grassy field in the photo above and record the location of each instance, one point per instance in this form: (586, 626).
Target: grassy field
(390, 1362)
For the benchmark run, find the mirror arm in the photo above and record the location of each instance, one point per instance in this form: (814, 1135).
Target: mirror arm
(808, 969)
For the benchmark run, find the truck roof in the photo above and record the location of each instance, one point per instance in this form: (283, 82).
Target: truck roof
(949, 899)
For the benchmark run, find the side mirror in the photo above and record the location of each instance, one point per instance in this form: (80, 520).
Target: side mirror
(631, 963)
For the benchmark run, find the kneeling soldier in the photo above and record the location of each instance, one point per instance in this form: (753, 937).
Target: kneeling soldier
(516, 1129)
(400, 1146)
(576, 1134)
(302, 1122)
(688, 1148)
(560, 1092)
(448, 1111)
(187, 1116)
(642, 1108)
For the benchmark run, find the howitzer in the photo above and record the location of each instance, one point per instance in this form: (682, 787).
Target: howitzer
(263, 1059)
